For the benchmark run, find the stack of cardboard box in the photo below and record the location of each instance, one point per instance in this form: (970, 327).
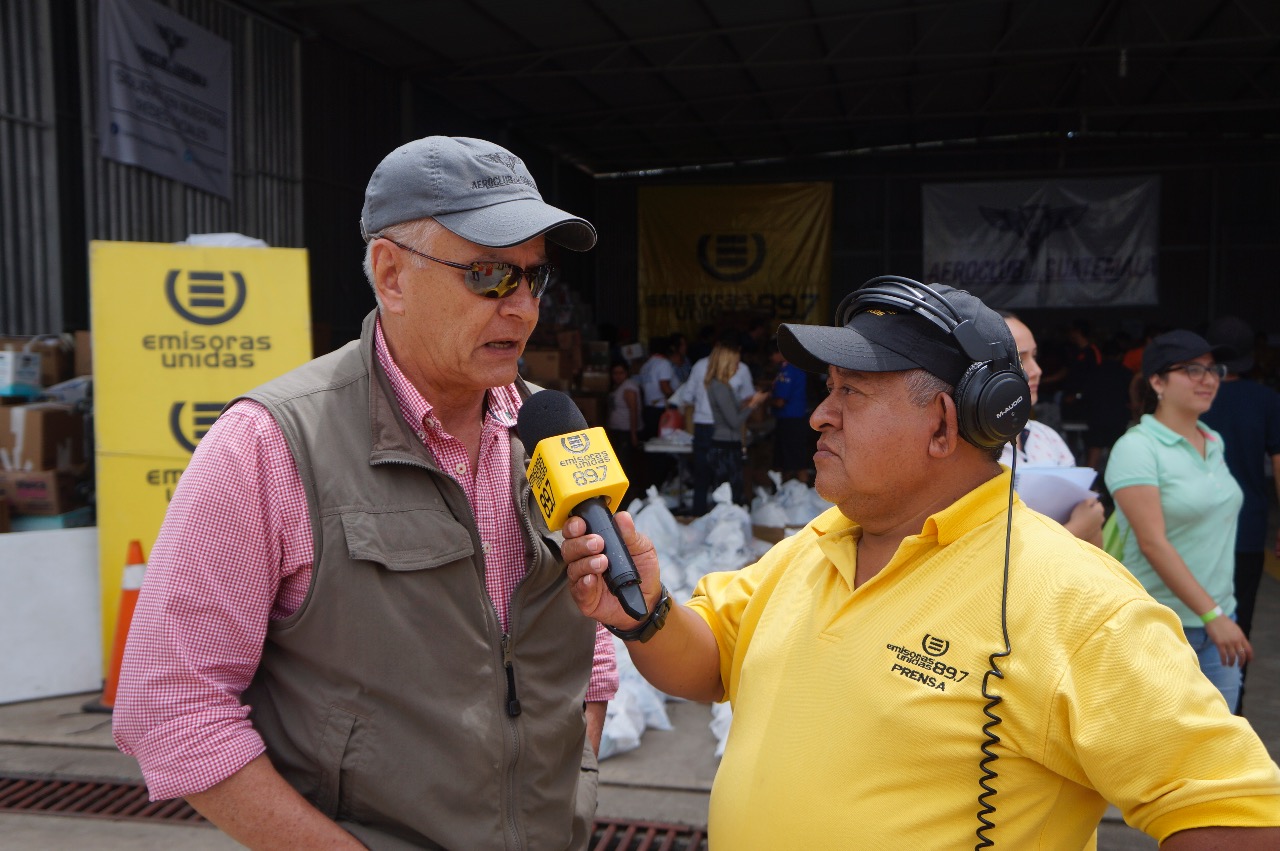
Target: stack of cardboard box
(44, 456)
(572, 367)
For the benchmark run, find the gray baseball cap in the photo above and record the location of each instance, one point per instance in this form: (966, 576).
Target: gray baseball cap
(478, 190)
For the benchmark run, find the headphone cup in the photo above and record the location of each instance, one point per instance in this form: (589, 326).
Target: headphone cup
(993, 400)
(992, 405)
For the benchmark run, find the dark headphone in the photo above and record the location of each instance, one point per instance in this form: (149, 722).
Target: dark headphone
(993, 399)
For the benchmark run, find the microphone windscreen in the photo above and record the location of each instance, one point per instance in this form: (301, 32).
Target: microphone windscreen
(546, 414)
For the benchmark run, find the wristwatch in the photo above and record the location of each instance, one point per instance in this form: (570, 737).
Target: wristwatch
(656, 620)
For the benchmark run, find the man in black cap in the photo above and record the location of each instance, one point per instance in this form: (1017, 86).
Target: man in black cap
(930, 664)
(1247, 415)
(355, 627)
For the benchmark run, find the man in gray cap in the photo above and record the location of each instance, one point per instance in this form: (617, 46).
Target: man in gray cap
(930, 664)
(356, 628)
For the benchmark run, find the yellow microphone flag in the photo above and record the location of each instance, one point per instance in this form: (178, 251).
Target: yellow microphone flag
(569, 468)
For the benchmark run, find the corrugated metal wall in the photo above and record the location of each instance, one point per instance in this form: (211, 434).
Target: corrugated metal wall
(50, 208)
(30, 274)
(129, 203)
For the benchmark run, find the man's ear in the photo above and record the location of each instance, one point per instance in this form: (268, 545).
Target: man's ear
(386, 276)
(946, 432)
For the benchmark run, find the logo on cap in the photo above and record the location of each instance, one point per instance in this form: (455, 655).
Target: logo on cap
(502, 158)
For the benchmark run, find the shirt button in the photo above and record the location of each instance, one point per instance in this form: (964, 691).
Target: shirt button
(460, 468)
(484, 547)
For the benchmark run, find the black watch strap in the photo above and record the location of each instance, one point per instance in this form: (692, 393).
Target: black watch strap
(656, 620)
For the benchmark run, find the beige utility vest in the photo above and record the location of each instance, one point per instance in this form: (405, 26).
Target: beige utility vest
(391, 699)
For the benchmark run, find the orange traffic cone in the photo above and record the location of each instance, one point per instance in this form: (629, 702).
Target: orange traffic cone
(135, 568)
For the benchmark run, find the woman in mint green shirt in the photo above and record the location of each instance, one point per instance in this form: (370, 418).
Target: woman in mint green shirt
(1178, 504)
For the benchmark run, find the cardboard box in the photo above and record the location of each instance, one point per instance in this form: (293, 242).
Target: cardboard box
(19, 374)
(41, 436)
(42, 492)
(594, 381)
(77, 518)
(592, 408)
(595, 353)
(772, 534)
(564, 385)
(570, 361)
(84, 354)
(4, 515)
(569, 339)
(55, 355)
(541, 364)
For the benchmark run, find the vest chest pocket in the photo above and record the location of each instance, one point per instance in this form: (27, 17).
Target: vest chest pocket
(413, 539)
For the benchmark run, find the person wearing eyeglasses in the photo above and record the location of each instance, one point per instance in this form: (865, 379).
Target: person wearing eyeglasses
(355, 629)
(1177, 503)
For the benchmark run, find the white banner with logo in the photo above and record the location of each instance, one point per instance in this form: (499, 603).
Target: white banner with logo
(164, 100)
(1045, 243)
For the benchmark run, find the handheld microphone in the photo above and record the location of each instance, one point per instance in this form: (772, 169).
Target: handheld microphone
(573, 471)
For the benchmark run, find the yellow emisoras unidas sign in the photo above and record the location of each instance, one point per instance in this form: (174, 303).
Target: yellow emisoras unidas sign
(178, 331)
(569, 468)
(709, 251)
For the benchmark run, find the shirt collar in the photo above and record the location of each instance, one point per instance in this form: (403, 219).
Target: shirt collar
(838, 535)
(1168, 436)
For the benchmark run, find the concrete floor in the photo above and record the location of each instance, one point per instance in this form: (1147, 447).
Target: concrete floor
(667, 779)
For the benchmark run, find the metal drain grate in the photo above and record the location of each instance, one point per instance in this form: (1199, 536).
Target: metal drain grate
(617, 835)
(128, 801)
(94, 800)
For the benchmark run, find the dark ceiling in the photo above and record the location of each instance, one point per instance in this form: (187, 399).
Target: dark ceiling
(614, 86)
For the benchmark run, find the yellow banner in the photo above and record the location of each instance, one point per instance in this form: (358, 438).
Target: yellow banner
(178, 331)
(708, 252)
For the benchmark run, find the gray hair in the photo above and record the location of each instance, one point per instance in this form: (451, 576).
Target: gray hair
(923, 386)
(419, 234)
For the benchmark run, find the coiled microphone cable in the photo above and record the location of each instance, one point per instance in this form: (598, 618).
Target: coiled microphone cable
(986, 807)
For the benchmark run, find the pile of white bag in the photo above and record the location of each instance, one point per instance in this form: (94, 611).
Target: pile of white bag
(719, 540)
(791, 506)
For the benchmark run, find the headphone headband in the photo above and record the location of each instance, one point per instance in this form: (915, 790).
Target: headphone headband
(907, 293)
(993, 400)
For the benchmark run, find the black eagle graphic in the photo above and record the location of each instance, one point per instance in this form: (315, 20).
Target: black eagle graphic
(1034, 222)
(171, 38)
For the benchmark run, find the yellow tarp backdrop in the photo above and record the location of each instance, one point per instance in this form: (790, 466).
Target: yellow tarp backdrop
(707, 251)
(178, 331)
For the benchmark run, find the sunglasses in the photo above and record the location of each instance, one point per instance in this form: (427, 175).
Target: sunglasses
(491, 279)
(1197, 371)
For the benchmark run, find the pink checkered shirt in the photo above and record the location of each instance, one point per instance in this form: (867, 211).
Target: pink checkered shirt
(235, 553)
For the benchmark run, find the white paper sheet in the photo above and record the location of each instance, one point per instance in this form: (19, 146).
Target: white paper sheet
(1054, 491)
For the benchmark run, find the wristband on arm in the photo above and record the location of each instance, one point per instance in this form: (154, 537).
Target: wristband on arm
(1211, 615)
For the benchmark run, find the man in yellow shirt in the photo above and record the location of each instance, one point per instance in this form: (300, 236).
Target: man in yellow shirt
(931, 664)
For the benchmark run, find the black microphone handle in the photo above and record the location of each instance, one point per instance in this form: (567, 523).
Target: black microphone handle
(621, 575)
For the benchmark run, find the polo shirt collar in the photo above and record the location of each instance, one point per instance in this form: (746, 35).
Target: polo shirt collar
(838, 534)
(1168, 436)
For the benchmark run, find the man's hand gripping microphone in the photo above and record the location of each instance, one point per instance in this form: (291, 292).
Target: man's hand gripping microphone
(573, 471)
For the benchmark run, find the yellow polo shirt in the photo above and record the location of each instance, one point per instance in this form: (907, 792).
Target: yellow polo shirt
(858, 713)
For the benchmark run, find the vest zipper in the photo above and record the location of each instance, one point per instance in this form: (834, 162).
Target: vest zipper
(513, 702)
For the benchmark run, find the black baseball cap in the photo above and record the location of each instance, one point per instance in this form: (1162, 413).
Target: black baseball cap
(1236, 334)
(882, 337)
(1175, 347)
